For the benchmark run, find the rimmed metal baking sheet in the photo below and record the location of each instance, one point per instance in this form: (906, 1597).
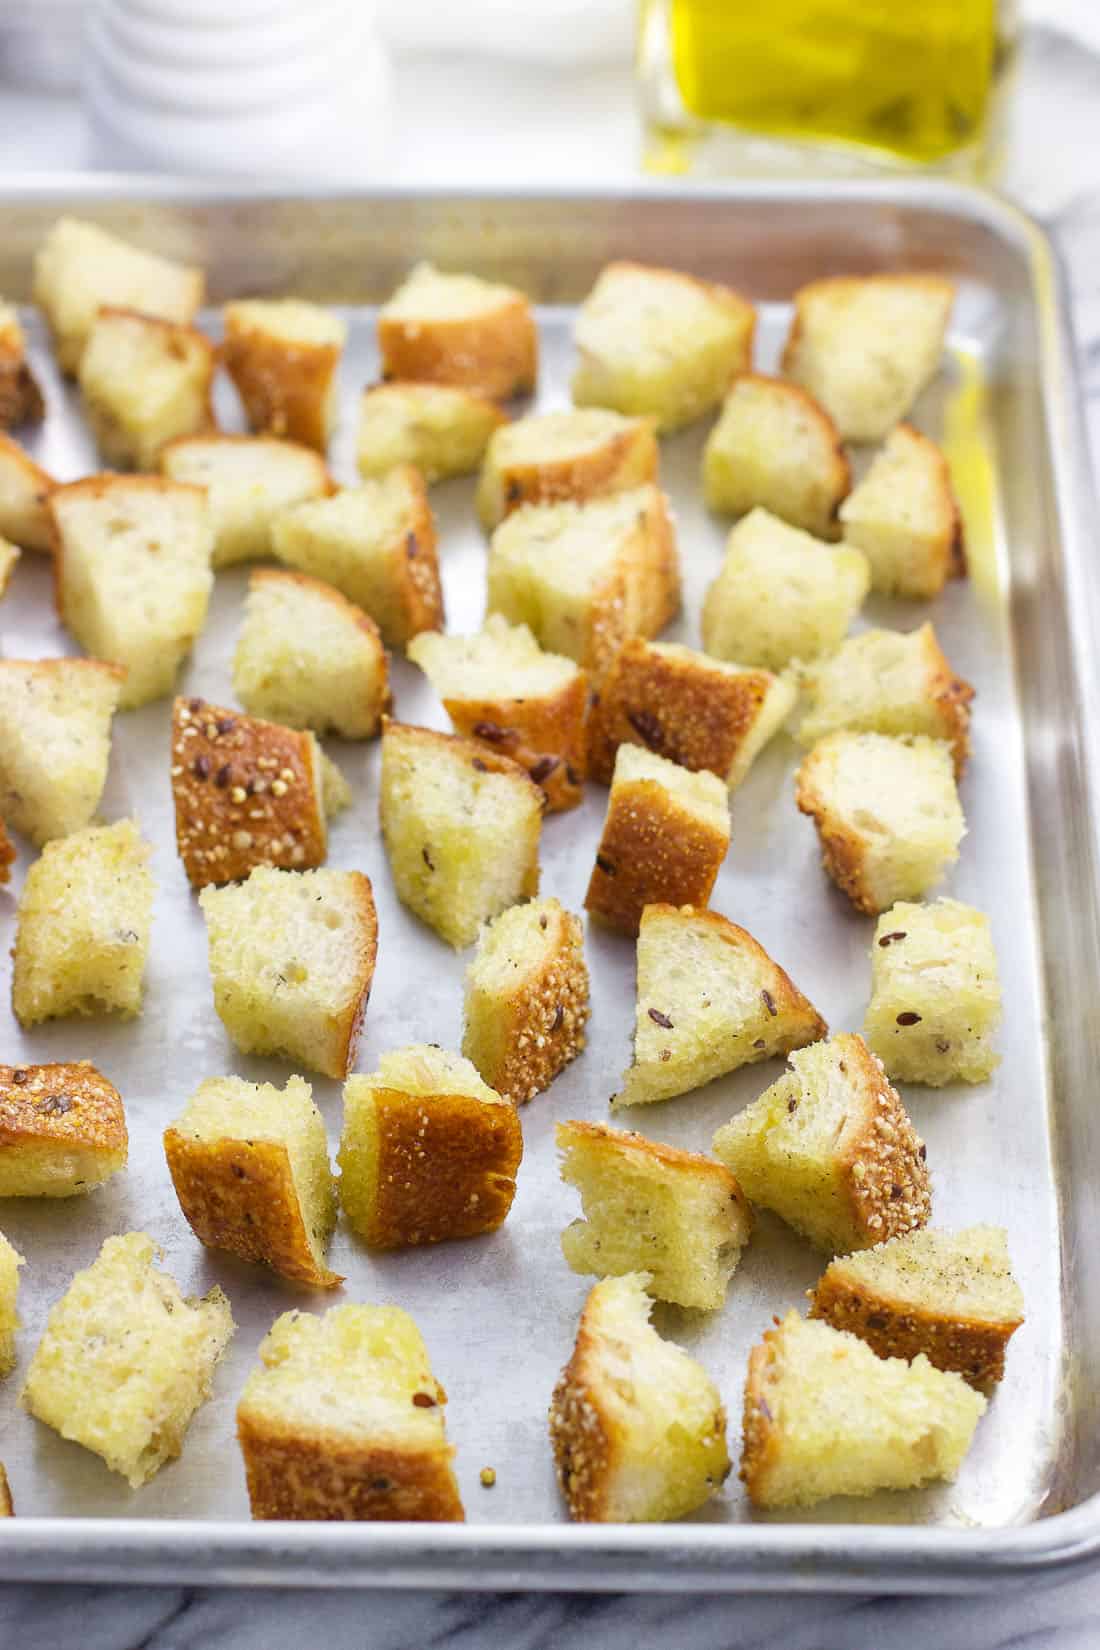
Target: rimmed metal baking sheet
(499, 1313)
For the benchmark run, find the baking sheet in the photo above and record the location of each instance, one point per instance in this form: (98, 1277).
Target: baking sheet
(499, 1313)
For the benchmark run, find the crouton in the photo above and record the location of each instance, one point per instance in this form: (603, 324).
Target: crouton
(709, 1000)
(584, 577)
(461, 825)
(376, 543)
(774, 448)
(830, 1149)
(500, 688)
(246, 793)
(948, 1295)
(24, 489)
(665, 835)
(701, 713)
(548, 458)
(62, 1130)
(526, 998)
(935, 994)
(429, 1152)
(7, 854)
(441, 430)
(80, 267)
(55, 742)
(308, 658)
(83, 933)
(7, 1505)
(343, 1419)
(10, 1262)
(145, 382)
(887, 813)
(292, 958)
(249, 481)
(658, 342)
(459, 329)
(284, 357)
(680, 1215)
(250, 1166)
(905, 518)
(781, 595)
(21, 399)
(126, 1361)
(132, 574)
(9, 555)
(886, 682)
(865, 346)
(637, 1426)
(823, 1416)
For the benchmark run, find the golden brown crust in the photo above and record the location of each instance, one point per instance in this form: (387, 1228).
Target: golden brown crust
(446, 1167)
(696, 717)
(879, 1155)
(953, 536)
(240, 1195)
(582, 1435)
(628, 1143)
(495, 354)
(843, 851)
(64, 1105)
(591, 474)
(544, 734)
(246, 793)
(759, 1432)
(652, 851)
(7, 854)
(415, 564)
(7, 1505)
(309, 1473)
(543, 1019)
(283, 383)
(21, 399)
(951, 695)
(42, 485)
(486, 758)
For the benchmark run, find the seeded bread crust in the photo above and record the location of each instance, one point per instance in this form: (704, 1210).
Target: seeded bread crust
(628, 456)
(652, 850)
(240, 1195)
(62, 1130)
(246, 793)
(24, 489)
(546, 736)
(284, 383)
(21, 399)
(494, 352)
(309, 1472)
(7, 854)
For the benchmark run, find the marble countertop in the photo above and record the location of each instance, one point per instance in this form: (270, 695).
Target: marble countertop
(582, 128)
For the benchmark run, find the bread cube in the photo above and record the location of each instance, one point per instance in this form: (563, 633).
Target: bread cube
(823, 1416)
(441, 430)
(284, 357)
(459, 329)
(935, 994)
(584, 577)
(461, 825)
(308, 658)
(250, 1166)
(500, 688)
(701, 713)
(775, 449)
(709, 1000)
(80, 267)
(292, 958)
(9, 555)
(665, 835)
(132, 574)
(376, 543)
(637, 1426)
(55, 742)
(10, 1262)
(343, 1419)
(865, 346)
(905, 519)
(145, 382)
(886, 682)
(548, 458)
(658, 342)
(681, 1216)
(7, 854)
(249, 481)
(429, 1152)
(526, 998)
(830, 1149)
(948, 1295)
(126, 1361)
(21, 400)
(83, 933)
(781, 595)
(887, 813)
(62, 1130)
(24, 489)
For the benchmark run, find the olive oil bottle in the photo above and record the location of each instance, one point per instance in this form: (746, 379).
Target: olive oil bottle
(837, 86)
